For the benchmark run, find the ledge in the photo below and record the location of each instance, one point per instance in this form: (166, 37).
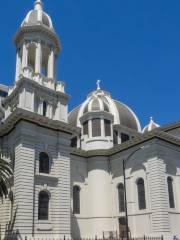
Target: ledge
(44, 226)
(43, 176)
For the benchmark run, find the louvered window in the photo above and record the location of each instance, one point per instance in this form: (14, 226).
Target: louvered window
(107, 125)
(121, 197)
(44, 164)
(171, 192)
(124, 137)
(141, 194)
(85, 128)
(43, 206)
(96, 127)
(76, 200)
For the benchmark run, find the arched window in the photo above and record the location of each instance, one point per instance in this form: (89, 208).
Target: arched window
(44, 108)
(43, 206)
(121, 197)
(141, 194)
(107, 126)
(76, 199)
(170, 192)
(96, 127)
(44, 164)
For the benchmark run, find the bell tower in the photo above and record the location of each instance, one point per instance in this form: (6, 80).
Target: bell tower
(36, 84)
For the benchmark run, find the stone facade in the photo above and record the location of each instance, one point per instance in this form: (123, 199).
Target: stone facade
(68, 168)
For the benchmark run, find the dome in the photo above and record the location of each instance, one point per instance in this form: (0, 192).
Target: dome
(100, 102)
(151, 126)
(37, 17)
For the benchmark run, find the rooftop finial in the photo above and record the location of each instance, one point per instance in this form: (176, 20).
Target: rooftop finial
(98, 84)
(38, 5)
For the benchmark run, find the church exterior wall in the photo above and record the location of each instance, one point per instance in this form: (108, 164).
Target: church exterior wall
(29, 140)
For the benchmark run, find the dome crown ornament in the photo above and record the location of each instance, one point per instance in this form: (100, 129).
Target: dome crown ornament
(152, 125)
(98, 84)
(38, 5)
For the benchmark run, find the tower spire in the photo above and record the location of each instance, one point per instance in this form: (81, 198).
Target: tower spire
(38, 5)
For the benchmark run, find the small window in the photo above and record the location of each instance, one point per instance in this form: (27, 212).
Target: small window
(76, 200)
(44, 108)
(85, 128)
(107, 125)
(141, 194)
(44, 164)
(121, 197)
(124, 137)
(43, 206)
(170, 192)
(96, 127)
(74, 142)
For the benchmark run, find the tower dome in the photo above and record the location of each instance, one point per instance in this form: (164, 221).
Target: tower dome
(37, 17)
(99, 115)
(150, 126)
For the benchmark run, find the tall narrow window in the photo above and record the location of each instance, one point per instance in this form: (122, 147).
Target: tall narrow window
(121, 197)
(44, 108)
(43, 206)
(74, 142)
(44, 164)
(96, 127)
(171, 192)
(107, 125)
(141, 194)
(85, 128)
(76, 199)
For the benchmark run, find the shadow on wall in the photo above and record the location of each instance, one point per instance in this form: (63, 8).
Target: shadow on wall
(75, 231)
(10, 233)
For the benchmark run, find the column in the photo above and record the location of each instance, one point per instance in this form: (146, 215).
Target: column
(102, 128)
(51, 64)
(24, 56)
(38, 60)
(90, 128)
(18, 65)
(158, 196)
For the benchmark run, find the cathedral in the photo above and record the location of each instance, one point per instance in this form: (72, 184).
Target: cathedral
(90, 173)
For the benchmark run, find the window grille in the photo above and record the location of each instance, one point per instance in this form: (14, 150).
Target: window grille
(76, 200)
(44, 163)
(96, 127)
(170, 192)
(141, 194)
(43, 206)
(121, 197)
(107, 125)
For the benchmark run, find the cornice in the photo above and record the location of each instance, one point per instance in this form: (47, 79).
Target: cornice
(129, 144)
(37, 86)
(40, 29)
(21, 114)
(170, 126)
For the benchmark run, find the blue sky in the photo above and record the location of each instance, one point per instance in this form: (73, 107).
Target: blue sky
(132, 46)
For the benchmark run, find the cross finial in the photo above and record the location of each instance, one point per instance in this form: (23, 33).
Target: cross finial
(38, 5)
(98, 84)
